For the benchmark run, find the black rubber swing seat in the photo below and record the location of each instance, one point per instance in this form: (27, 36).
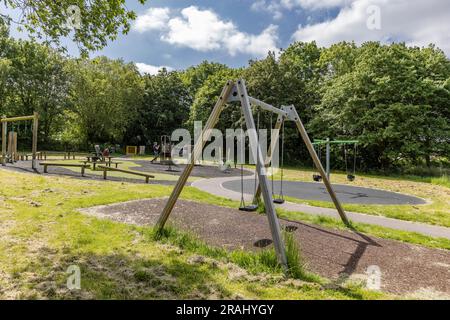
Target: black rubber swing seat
(249, 208)
(278, 201)
(317, 177)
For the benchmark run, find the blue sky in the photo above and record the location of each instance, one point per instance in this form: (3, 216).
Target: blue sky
(147, 47)
(177, 34)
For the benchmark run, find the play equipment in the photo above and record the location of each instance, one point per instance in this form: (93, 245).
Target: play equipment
(11, 153)
(131, 150)
(327, 142)
(235, 91)
(12, 147)
(95, 163)
(279, 199)
(141, 174)
(165, 154)
(242, 205)
(83, 167)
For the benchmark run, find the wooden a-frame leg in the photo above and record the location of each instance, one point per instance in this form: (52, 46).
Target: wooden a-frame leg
(318, 164)
(206, 133)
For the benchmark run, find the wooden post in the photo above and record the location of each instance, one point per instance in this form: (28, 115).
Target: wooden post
(13, 146)
(4, 130)
(10, 147)
(35, 138)
(198, 148)
(318, 164)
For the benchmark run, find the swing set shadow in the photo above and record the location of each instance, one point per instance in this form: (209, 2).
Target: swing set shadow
(351, 264)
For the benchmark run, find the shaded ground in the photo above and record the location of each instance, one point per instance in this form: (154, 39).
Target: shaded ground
(25, 166)
(334, 254)
(198, 171)
(317, 191)
(144, 166)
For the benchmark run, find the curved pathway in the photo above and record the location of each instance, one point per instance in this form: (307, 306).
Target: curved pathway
(216, 186)
(317, 191)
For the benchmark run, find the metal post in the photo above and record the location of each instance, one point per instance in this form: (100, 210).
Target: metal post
(319, 166)
(35, 138)
(328, 158)
(206, 133)
(4, 130)
(261, 172)
(273, 141)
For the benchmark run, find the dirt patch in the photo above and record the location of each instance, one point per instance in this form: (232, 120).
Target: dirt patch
(331, 253)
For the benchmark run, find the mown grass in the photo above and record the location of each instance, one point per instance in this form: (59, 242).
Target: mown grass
(42, 234)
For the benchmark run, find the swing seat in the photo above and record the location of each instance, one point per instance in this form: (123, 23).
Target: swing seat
(351, 177)
(249, 208)
(317, 177)
(278, 201)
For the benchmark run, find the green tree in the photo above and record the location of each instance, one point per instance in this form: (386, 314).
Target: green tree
(194, 77)
(36, 81)
(99, 21)
(293, 78)
(208, 95)
(393, 99)
(105, 96)
(165, 107)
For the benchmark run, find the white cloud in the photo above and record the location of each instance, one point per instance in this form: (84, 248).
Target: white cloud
(415, 22)
(315, 4)
(198, 29)
(257, 45)
(204, 30)
(153, 19)
(272, 7)
(150, 69)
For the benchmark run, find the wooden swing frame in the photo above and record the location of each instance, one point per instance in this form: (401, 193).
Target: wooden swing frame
(4, 121)
(236, 91)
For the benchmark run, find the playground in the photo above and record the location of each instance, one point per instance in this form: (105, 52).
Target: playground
(225, 220)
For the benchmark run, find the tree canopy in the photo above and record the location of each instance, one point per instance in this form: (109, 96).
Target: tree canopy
(393, 98)
(89, 23)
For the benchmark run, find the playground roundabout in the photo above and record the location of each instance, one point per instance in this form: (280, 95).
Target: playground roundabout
(317, 191)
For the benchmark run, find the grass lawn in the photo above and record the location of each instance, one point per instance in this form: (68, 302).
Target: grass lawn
(435, 190)
(42, 234)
